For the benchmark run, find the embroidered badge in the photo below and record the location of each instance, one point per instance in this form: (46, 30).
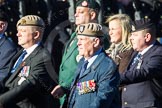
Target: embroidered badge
(25, 71)
(86, 87)
(81, 28)
(133, 28)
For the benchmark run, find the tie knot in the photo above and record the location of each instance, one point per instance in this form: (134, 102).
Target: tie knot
(85, 64)
(137, 58)
(24, 52)
(138, 55)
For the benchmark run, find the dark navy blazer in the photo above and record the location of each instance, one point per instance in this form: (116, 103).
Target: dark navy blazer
(143, 80)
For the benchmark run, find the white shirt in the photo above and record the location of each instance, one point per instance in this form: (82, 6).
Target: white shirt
(30, 50)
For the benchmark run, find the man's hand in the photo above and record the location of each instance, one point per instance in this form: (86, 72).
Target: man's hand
(57, 92)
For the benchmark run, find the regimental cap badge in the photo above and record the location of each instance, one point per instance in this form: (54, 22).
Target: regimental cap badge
(81, 28)
(85, 3)
(133, 28)
(93, 4)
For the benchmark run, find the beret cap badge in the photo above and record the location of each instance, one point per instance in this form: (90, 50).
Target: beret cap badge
(133, 28)
(84, 3)
(81, 28)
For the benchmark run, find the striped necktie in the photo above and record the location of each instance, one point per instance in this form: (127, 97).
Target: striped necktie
(137, 58)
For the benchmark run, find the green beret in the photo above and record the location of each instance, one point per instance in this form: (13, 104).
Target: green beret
(88, 3)
(142, 24)
(90, 29)
(31, 20)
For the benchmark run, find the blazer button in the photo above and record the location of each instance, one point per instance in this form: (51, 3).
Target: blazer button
(125, 89)
(125, 103)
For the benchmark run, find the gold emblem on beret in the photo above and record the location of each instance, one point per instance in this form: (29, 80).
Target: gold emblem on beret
(84, 3)
(23, 21)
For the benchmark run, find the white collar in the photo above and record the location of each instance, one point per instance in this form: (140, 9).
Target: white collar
(146, 49)
(30, 50)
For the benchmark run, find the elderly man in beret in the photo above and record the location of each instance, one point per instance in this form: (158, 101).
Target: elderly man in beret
(7, 48)
(96, 80)
(86, 11)
(29, 83)
(143, 76)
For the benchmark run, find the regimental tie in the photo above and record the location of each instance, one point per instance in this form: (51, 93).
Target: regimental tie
(137, 58)
(19, 61)
(83, 68)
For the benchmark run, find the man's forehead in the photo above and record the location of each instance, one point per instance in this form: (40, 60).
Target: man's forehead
(82, 8)
(24, 27)
(137, 32)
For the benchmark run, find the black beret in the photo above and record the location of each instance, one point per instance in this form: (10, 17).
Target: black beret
(3, 16)
(142, 24)
(88, 3)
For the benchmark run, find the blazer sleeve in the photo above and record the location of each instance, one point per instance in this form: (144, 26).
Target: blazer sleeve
(6, 54)
(150, 68)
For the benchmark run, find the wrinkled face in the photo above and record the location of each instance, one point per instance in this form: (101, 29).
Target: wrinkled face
(82, 15)
(85, 46)
(115, 31)
(26, 36)
(139, 40)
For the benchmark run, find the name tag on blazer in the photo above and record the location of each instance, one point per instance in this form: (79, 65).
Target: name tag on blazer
(86, 87)
(25, 71)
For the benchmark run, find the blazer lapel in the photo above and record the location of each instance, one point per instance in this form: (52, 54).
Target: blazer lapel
(94, 65)
(25, 62)
(77, 71)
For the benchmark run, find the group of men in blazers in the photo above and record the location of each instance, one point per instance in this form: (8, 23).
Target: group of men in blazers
(30, 84)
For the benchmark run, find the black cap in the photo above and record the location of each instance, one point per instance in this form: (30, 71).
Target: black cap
(142, 24)
(88, 3)
(3, 16)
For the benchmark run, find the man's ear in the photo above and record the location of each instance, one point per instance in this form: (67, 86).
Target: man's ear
(93, 15)
(148, 37)
(96, 42)
(2, 25)
(36, 34)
